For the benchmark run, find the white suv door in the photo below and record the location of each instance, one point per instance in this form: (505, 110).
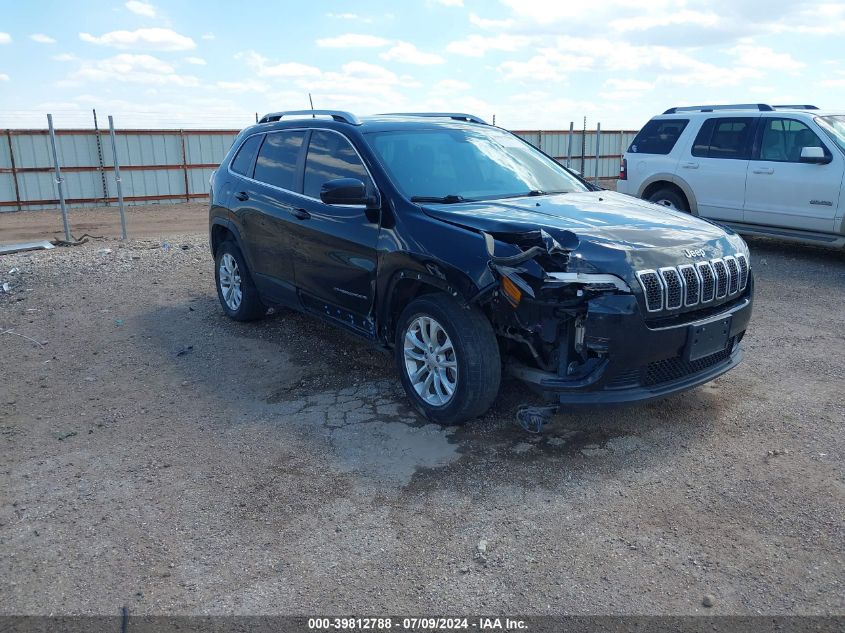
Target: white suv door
(715, 166)
(784, 191)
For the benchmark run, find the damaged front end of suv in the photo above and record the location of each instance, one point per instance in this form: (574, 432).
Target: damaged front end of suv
(618, 310)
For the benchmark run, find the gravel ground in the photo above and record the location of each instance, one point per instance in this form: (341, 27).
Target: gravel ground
(159, 456)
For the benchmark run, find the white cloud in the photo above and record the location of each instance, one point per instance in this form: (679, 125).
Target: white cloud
(42, 39)
(548, 65)
(248, 85)
(407, 53)
(764, 57)
(449, 3)
(208, 36)
(258, 63)
(158, 39)
(353, 40)
(628, 84)
(489, 25)
(665, 18)
(129, 68)
(64, 57)
(348, 16)
(476, 45)
(141, 8)
(449, 86)
(4, 77)
(5, 38)
(196, 61)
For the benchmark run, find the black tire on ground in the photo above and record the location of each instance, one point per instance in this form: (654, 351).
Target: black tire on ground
(476, 355)
(669, 198)
(251, 307)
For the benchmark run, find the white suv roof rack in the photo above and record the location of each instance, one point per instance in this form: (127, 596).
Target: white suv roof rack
(760, 107)
(337, 115)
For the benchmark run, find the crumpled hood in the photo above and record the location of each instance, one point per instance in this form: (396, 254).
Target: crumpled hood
(617, 233)
(604, 216)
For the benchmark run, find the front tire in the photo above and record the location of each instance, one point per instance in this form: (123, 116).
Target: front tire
(235, 289)
(448, 359)
(670, 199)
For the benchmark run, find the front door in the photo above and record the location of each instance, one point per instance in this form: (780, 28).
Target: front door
(335, 245)
(783, 191)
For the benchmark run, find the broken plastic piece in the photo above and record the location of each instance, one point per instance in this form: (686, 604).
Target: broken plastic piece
(6, 249)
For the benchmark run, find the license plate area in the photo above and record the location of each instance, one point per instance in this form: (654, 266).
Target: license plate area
(704, 339)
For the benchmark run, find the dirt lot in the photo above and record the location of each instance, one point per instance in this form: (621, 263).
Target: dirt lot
(159, 456)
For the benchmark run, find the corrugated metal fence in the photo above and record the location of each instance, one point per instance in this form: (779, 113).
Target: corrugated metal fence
(611, 145)
(155, 166)
(175, 165)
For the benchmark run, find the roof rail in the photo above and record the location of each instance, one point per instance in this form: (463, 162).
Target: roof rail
(762, 107)
(457, 116)
(795, 107)
(337, 115)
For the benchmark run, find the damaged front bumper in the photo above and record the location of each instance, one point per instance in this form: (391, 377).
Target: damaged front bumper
(633, 361)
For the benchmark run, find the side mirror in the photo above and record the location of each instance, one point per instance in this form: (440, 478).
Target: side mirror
(814, 155)
(346, 191)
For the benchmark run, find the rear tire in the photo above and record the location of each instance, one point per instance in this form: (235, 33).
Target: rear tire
(448, 359)
(669, 198)
(235, 289)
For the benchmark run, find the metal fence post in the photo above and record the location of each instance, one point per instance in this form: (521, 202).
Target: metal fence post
(59, 180)
(117, 180)
(14, 169)
(569, 144)
(598, 152)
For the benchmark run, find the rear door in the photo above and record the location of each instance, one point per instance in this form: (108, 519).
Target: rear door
(783, 191)
(269, 206)
(335, 245)
(715, 166)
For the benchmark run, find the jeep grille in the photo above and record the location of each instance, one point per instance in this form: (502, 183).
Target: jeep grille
(689, 285)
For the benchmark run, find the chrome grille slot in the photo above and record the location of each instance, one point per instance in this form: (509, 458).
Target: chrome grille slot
(708, 282)
(652, 289)
(733, 271)
(692, 284)
(722, 278)
(674, 288)
(743, 271)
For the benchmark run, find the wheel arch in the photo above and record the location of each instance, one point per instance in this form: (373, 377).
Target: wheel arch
(657, 181)
(406, 284)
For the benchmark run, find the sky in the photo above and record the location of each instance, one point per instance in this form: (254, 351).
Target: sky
(533, 64)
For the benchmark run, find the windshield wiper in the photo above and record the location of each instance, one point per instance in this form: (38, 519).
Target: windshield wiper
(527, 194)
(450, 199)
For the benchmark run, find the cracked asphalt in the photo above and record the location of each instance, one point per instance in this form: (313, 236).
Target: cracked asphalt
(158, 456)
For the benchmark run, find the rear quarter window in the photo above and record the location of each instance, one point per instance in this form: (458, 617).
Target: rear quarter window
(658, 136)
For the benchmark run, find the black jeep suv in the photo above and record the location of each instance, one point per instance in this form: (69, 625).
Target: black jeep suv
(468, 252)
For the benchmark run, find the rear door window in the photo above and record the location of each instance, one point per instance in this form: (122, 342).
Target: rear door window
(278, 158)
(724, 138)
(244, 162)
(658, 136)
(331, 156)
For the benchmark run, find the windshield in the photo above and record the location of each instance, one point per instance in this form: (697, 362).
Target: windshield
(835, 128)
(455, 164)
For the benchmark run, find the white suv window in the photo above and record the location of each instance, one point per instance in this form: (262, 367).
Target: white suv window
(724, 138)
(783, 140)
(658, 136)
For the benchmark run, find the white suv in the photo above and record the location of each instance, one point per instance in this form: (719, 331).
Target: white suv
(767, 170)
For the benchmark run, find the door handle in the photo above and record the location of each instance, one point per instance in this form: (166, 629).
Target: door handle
(243, 196)
(689, 165)
(763, 170)
(300, 214)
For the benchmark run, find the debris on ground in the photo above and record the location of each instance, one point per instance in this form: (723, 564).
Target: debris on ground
(8, 249)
